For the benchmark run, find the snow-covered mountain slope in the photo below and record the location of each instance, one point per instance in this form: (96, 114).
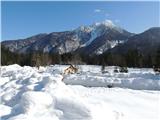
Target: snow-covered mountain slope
(69, 41)
(101, 28)
(15, 45)
(108, 45)
(30, 94)
(147, 43)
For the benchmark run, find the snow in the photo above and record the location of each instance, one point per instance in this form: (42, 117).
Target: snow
(30, 94)
(135, 79)
(109, 44)
(48, 48)
(96, 30)
(125, 104)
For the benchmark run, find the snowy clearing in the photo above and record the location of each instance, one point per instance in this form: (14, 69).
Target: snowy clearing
(30, 94)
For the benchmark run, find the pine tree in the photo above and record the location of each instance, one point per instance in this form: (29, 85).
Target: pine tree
(157, 58)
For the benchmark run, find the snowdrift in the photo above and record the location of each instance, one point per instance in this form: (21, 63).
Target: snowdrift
(91, 76)
(30, 94)
(27, 94)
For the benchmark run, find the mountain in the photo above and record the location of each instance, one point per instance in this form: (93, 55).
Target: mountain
(95, 39)
(15, 45)
(105, 35)
(146, 43)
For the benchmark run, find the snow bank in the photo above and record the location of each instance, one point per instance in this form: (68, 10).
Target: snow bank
(30, 94)
(91, 76)
(32, 101)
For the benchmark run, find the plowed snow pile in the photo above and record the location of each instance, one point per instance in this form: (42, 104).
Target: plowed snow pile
(30, 94)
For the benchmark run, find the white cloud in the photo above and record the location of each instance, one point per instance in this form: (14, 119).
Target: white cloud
(97, 10)
(102, 12)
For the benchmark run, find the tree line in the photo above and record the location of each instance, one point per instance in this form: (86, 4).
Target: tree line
(132, 58)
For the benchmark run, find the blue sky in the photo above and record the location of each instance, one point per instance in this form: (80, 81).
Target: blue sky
(24, 19)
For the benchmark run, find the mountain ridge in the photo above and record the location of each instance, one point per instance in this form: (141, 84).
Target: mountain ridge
(94, 39)
(146, 42)
(66, 41)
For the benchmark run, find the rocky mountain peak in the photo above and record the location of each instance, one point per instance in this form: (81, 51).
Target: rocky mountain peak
(91, 36)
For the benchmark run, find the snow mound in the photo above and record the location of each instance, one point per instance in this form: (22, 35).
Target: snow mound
(30, 94)
(91, 76)
(32, 101)
(27, 94)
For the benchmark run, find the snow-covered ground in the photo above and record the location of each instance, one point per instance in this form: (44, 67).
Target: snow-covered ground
(30, 94)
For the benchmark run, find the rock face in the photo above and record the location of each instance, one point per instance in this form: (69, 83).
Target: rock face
(93, 39)
(109, 38)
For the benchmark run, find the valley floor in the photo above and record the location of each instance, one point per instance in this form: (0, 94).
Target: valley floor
(30, 94)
